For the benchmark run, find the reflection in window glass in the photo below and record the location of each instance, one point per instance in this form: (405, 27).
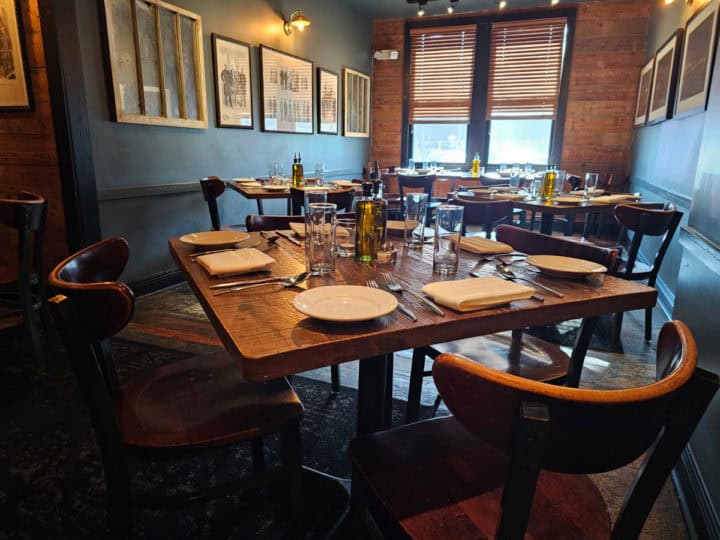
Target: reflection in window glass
(444, 143)
(520, 141)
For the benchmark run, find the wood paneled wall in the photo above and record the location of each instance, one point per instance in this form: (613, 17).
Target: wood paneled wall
(608, 52)
(28, 158)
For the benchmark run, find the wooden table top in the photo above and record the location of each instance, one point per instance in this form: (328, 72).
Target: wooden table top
(255, 192)
(269, 338)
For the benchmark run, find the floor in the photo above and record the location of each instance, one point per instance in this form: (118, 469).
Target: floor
(173, 319)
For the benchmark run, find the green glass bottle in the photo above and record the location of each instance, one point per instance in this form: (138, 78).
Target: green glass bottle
(371, 220)
(548, 184)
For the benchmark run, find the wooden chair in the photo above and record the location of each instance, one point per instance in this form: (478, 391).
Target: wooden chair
(270, 223)
(178, 409)
(22, 294)
(424, 183)
(343, 198)
(515, 456)
(486, 214)
(512, 352)
(643, 221)
(212, 187)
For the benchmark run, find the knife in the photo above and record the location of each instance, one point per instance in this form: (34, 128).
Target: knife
(429, 303)
(287, 236)
(405, 311)
(249, 282)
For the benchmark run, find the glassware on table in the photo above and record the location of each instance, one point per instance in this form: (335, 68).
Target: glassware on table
(446, 248)
(345, 237)
(534, 188)
(387, 254)
(502, 167)
(591, 183)
(547, 189)
(475, 168)
(319, 174)
(320, 235)
(371, 219)
(560, 181)
(528, 169)
(313, 196)
(414, 224)
(275, 172)
(411, 164)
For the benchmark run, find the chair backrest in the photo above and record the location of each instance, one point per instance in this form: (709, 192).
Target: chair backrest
(89, 307)
(647, 220)
(534, 243)
(583, 430)
(343, 198)
(257, 223)
(212, 187)
(26, 212)
(484, 213)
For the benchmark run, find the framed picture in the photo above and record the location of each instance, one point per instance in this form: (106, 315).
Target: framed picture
(155, 53)
(643, 98)
(356, 103)
(233, 82)
(287, 92)
(662, 96)
(15, 89)
(697, 59)
(328, 88)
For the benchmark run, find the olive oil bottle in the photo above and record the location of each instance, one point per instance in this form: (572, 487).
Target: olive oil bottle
(371, 221)
(297, 171)
(548, 183)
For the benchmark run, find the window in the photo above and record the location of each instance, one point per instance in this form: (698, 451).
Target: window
(439, 112)
(490, 85)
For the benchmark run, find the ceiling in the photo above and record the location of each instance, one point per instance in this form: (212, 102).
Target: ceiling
(379, 9)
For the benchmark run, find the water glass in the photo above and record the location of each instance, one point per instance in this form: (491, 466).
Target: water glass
(415, 209)
(313, 196)
(275, 169)
(411, 164)
(560, 182)
(320, 235)
(319, 174)
(591, 182)
(528, 168)
(345, 237)
(446, 249)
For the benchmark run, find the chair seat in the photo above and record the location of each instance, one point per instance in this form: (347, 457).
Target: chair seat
(435, 480)
(534, 359)
(202, 400)
(640, 270)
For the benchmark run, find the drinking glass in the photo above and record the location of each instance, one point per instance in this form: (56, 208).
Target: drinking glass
(275, 170)
(313, 196)
(321, 238)
(502, 167)
(560, 182)
(528, 168)
(414, 224)
(411, 164)
(319, 174)
(446, 249)
(591, 182)
(345, 237)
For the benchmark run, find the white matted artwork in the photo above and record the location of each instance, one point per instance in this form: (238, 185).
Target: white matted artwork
(15, 91)
(662, 96)
(697, 59)
(356, 103)
(233, 82)
(328, 85)
(643, 98)
(287, 92)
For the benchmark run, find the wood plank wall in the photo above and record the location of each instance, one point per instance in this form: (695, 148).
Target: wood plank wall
(28, 158)
(608, 52)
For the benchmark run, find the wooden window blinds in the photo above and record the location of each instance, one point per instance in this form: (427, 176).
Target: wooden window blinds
(525, 68)
(442, 62)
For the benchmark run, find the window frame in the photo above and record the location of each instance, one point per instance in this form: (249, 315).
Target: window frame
(478, 138)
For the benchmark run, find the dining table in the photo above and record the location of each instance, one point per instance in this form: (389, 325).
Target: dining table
(259, 193)
(269, 338)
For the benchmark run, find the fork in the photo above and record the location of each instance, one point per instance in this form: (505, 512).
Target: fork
(396, 286)
(402, 309)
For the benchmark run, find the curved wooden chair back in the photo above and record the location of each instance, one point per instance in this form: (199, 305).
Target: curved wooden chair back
(343, 198)
(484, 213)
(412, 183)
(534, 243)
(212, 187)
(257, 223)
(581, 430)
(647, 220)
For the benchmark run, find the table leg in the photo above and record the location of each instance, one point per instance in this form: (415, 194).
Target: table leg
(260, 206)
(577, 358)
(371, 394)
(289, 207)
(546, 222)
(387, 407)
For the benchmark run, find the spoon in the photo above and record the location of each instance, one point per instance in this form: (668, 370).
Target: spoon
(288, 282)
(505, 271)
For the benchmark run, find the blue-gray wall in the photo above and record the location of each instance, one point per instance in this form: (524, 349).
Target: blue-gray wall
(664, 156)
(133, 161)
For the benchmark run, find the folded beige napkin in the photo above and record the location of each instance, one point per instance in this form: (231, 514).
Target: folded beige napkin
(237, 261)
(476, 293)
(249, 184)
(315, 188)
(244, 180)
(299, 230)
(510, 196)
(612, 199)
(483, 246)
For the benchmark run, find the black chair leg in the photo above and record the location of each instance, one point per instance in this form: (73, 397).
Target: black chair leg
(387, 407)
(617, 330)
(335, 378)
(291, 456)
(32, 324)
(648, 324)
(258, 455)
(415, 386)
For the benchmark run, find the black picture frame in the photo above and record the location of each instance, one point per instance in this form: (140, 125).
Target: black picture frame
(17, 94)
(357, 102)
(282, 75)
(325, 79)
(238, 88)
(642, 104)
(662, 95)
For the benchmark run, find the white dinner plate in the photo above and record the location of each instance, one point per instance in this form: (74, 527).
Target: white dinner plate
(555, 265)
(244, 180)
(345, 183)
(568, 200)
(276, 187)
(345, 303)
(214, 238)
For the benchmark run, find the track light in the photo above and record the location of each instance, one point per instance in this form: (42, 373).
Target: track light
(502, 4)
(451, 7)
(554, 2)
(421, 8)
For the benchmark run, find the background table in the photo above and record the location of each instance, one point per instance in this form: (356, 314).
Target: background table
(258, 194)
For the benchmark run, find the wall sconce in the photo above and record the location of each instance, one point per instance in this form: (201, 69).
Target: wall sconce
(296, 21)
(668, 2)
